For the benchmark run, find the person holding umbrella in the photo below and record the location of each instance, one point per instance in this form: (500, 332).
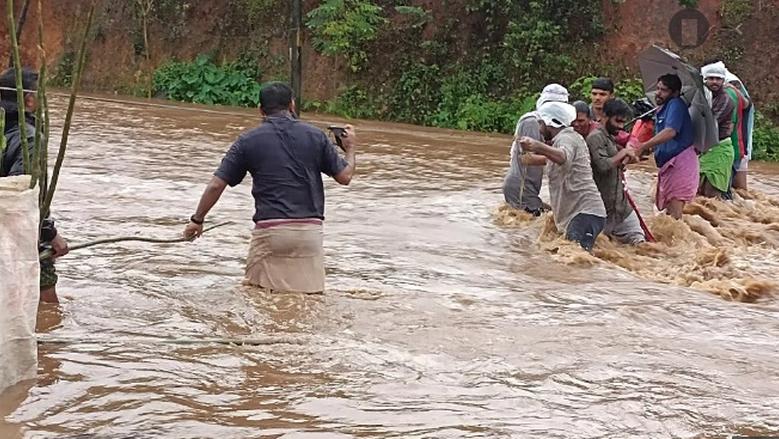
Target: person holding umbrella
(677, 178)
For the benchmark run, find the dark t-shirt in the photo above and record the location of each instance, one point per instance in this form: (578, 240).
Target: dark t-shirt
(286, 159)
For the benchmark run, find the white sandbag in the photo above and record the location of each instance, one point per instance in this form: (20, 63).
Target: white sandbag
(19, 280)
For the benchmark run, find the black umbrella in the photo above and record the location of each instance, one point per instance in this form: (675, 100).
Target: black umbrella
(657, 61)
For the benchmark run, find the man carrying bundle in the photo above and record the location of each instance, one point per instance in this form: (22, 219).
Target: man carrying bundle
(12, 163)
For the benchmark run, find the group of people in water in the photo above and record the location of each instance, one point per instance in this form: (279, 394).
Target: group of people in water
(584, 149)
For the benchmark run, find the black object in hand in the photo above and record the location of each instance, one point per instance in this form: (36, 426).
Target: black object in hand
(339, 133)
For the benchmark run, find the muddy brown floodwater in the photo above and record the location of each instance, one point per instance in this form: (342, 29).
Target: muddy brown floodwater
(444, 317)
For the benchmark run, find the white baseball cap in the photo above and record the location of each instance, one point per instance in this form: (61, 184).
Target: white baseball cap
(557, 114)
(552, 93)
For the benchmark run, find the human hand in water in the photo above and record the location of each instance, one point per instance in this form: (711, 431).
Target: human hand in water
(192, 230)
(59, 246)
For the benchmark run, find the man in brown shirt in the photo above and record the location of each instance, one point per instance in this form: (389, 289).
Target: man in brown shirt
(607, 159)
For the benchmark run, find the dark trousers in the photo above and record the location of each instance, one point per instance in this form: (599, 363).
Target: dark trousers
(584, 228)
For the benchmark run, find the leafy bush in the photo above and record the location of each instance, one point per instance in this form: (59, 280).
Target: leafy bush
(63, 71)
(630, 89)
(542, 36)
(344, 27)
(203, 82)
(416, 95)
(461, 99)
(479, 113)
(482, 80)
(765, 140)
(580, 89)
(354, 102)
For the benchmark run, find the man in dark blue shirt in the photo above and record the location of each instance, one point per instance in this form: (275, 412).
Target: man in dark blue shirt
(286, 159)
(677, 180)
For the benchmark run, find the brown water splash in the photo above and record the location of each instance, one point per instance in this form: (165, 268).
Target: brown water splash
(718, 246)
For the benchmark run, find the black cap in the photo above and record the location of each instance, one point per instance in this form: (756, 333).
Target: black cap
(603, 84)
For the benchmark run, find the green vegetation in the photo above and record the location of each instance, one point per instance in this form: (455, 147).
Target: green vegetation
(203, 82)
(459, 100)
(63, 71)
(477, 68)
(344, 27)
(765, 141)
(430, 82)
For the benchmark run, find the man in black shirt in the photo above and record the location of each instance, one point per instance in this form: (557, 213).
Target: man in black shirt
(286, 159)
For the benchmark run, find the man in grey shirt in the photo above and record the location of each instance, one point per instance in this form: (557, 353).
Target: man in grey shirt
(576, 203)
(525, 181)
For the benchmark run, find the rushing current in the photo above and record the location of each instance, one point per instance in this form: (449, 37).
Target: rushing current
(445, 316)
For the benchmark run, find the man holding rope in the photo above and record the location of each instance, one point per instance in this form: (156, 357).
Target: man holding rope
(522, 184)
(607, 159)
(286, 159)
(577, 206)
(11, 163)
(677, 178)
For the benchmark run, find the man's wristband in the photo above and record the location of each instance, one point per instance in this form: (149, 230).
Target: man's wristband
(196, 221)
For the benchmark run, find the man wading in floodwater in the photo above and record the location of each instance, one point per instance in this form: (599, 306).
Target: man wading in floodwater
(607, 159)
(677, 179)
(578, 209)
(522, 184)
(286, 159)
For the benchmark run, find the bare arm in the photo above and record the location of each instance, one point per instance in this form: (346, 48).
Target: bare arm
(210, 196)
(349, 145)
(531, 159)
(662, 137)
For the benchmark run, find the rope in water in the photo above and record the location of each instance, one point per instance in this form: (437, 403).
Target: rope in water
(49, 253)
